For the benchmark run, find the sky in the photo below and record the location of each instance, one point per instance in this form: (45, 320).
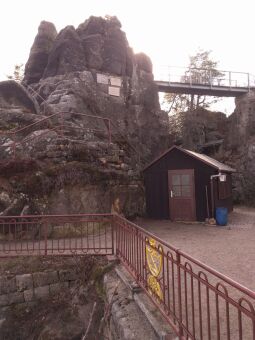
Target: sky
(169, 31)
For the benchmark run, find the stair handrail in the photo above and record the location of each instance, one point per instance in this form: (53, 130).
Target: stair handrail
(109, 126)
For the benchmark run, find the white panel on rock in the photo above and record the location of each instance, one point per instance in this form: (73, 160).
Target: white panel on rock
(115, 81)
(102, 78)
(114, 91)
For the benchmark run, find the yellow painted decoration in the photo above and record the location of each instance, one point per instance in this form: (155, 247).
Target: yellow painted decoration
(154, 286)
(154, 257)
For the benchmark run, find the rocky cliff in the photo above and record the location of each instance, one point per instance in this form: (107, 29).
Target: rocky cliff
(94, 120)
(240, 147)
(199, 130)
(231, 140)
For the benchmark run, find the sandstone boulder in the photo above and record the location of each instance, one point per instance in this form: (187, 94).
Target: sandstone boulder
(39, 53)
(106, 125)
(14, 95)
(66, 55)
(143, 62)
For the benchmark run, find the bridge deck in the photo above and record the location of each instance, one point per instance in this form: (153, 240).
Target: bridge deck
(201, 89)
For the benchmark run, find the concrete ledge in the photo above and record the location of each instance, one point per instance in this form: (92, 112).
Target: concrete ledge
(161, 328)
(125, 322)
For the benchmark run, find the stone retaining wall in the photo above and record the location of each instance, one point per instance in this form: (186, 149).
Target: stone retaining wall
(31, 287)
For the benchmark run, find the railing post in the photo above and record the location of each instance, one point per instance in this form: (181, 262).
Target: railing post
(62, 124)
(14, 146)
(109, 131)
(229, 79)
(178, 262)
(248, 78)
(45, 230)
(190, 78)
(137, 256)
(113, 230)
(210, 77)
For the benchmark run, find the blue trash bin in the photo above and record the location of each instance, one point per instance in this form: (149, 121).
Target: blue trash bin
(221, 216)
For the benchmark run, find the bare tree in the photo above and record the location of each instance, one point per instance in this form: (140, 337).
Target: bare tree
(18, 73)
(201, 70)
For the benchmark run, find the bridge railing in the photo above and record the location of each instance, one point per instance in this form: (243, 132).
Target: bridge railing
(195, 76)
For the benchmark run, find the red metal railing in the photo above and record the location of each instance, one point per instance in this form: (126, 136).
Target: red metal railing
(198, 302)
(60, 126)
(56, 235)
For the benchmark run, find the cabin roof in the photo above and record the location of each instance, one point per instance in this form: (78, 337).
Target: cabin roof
(201, 157)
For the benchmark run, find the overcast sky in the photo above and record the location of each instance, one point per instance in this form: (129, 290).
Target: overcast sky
(167, 30)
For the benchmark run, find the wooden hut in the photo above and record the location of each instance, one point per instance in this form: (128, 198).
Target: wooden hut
(185, 185)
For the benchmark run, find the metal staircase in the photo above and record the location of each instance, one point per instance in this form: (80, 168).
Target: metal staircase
(83, 128)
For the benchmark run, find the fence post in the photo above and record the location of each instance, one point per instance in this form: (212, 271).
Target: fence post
(113, 238)
(62, 124)
(137, 257)
(109, 131)
(210, 78)
(178, 262)
(45, 229)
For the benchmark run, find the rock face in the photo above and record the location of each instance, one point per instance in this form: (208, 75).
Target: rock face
(39, 53)
(99, 122)
(12, 94)
(96, 44)
(66, 55)
(92, 70)
(199, 130)
(240, 147)
(231, 140)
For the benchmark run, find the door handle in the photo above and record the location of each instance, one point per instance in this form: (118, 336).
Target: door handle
(171, 193)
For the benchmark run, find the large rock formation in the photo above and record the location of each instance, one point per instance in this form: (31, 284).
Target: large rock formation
(240, 147)
(97, 43)
(99, 122)
(39, 53)
(231, 140)
(199, 130)
(92, 70)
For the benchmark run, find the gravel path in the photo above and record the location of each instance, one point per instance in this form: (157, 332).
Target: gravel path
(230, 249)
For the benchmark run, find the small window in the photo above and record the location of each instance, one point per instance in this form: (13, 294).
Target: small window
(176, 179)
(186, 191)
(185, 179)
(177, 190)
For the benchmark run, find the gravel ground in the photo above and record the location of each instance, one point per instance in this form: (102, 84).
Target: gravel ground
(230, 249)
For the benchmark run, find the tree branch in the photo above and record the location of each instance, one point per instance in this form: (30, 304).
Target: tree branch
(90, 322)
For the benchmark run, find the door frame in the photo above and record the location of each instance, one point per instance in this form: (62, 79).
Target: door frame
(193, 196)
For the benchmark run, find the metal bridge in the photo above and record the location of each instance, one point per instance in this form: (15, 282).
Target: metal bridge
(203, 81)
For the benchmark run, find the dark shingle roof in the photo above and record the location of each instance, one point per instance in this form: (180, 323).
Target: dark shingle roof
(203, 158)
(211, 161)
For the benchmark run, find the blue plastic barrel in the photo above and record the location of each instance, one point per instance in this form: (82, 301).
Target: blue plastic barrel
(221, 216)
